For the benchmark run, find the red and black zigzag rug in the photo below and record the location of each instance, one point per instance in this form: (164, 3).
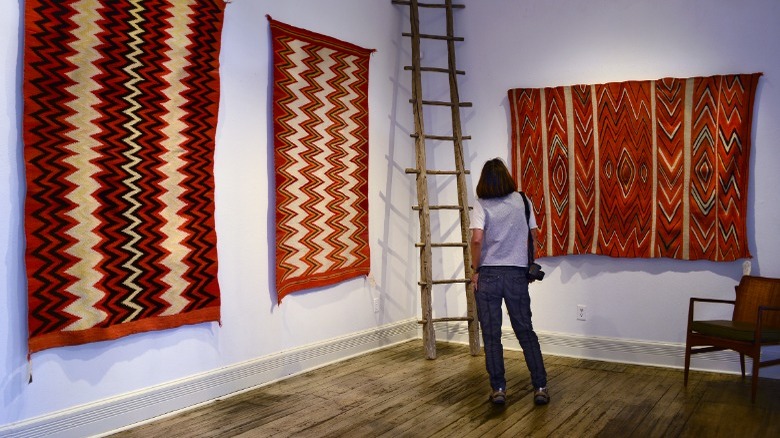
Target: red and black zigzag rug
(120, 113)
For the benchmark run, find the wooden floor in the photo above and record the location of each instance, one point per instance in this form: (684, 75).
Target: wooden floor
(395, 392)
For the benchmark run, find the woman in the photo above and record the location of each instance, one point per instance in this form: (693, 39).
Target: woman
(499, 251)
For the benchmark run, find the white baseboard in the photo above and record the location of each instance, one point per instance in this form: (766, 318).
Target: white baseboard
(669, 355)
(120, 412)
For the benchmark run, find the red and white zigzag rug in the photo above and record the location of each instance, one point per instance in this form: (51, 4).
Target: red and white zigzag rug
(320, 109)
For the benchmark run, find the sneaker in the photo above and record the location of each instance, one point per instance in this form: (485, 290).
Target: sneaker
(541, 396)
(498, 397)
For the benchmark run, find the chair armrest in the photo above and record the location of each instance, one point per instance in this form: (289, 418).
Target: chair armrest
(704, 300)
(712, 300)
(759, 323)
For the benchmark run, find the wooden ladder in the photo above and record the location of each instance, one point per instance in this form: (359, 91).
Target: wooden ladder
(424, 208)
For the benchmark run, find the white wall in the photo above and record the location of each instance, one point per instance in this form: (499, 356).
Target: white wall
(252, 324)
(523, 43)
(510, 44)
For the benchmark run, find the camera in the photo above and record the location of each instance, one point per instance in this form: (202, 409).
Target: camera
(535, 272)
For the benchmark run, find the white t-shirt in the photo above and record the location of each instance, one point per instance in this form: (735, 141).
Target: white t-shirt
(505, 239)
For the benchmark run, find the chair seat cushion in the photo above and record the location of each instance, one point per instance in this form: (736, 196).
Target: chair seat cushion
(739, 331)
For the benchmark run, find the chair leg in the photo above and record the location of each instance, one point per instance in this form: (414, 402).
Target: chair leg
(742, 364)
(687, 362)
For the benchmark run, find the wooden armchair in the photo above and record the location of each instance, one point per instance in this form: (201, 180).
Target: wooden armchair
(754, 324)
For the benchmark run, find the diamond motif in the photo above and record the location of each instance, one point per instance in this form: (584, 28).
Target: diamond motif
(626, 172)
(704, 170)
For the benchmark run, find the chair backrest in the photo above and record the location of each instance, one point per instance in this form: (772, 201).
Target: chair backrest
(757, 291)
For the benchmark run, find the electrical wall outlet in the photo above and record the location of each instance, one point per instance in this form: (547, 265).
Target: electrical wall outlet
(376, 305)
(581, 312)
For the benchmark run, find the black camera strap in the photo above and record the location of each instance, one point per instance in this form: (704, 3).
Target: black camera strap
(528, 221)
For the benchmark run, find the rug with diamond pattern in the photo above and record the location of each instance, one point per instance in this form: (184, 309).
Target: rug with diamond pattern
(655, 168)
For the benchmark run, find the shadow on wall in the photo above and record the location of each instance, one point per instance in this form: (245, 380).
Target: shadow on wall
(589, 266)
(396, 179)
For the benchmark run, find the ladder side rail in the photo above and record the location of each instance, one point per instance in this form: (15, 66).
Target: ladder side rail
(471, 304)
(426, 268)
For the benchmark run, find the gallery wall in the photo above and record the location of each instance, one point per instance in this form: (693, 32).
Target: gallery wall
(524, 43)
(566, 42)
(252, 325)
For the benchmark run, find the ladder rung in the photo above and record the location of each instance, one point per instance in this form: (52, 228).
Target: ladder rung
(444, 245)
(452, 281)
(435, 37)
(451, 318)
(438, 207)
(427, 5)
(442, 103)
(448, 172)
(441, 137)
(438, 172)
(445, 137)
(435, 69)
(441, 207)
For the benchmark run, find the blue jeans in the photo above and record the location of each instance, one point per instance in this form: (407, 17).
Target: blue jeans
(507, 283)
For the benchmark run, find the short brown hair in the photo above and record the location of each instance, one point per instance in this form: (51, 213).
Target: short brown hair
(495, 180)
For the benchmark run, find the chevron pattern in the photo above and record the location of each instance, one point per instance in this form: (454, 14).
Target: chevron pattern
(120, 113)
(638, 168)
(584, 169)
(321, 157)
(670, 137)
(529, 154)
(558, 166)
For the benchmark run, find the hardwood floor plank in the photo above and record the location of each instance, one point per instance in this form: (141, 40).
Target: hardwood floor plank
(728, 398)
(626, 411)
(488, 420)
(396, 393)
(432, 381)
(577, 390)
(607, 401)
(674, 407)
(355, 391)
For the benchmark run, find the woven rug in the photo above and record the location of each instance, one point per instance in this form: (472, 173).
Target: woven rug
(638, 168)
(320, 110)
(120, 111)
